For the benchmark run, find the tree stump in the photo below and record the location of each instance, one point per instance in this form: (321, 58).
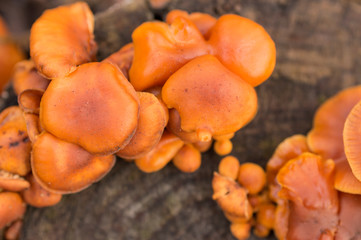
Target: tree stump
(318, 54)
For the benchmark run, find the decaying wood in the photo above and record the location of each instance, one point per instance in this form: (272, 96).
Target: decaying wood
(318, 54)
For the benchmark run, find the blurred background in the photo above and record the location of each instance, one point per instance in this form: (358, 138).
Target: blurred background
(318, 53)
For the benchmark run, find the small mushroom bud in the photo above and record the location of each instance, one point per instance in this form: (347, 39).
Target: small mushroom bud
(188, 159)
(223, 147)
(252, 177)
(229, 167)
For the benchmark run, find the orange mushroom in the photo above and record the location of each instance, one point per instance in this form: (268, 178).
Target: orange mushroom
(14, 142)
(152, 121)
(29, 100)
(350, 217)
(252, 177)
(188, 159)
(231, 197)
(161, 154)
(326, 137)
(352, 140)
(12, 182)
(244, 47)
(174, 126)
(12, 208)
(288, 149)
(62, 38)
(203, 21)
(37, 196)
(191, 91)
(223, 147)
(62, 167)
(33, 125)
(13, 232)
(10, 55)
(241, 231)
(161, 49)
(307, 185)
(229, 167)
(27, 77)
(122, 59)
(99, 114)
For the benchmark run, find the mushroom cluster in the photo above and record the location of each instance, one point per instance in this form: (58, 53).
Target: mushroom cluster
(313, 181)
(241, 192)
(164, 97)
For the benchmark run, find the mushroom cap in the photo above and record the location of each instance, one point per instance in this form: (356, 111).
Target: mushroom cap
(231, 197)
(27, 77)
(151, 124)
(161, 49)
(29, 100)
(94, 106)
(307, 184)
(288, 149)
(62, 167)
(12, 182)
(37, 196)
(229, 167)
(325, 137)
(352, 140)
(161, 154)
(15, 146)
(350, 217)
(123, 58)
(244, 47)
(62, 38)
(12, 208)
(188, 159)
(33, 125)
(209, 97)
(203, 21)
(345, 180)
(252, 177)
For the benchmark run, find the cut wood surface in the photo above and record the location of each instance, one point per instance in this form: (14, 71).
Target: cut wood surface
(318, 54)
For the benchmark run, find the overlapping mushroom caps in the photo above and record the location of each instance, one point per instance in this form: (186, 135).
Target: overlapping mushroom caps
(244, 202)
(326, 136)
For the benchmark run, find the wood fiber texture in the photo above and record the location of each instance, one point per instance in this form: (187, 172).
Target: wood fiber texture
(318, 54)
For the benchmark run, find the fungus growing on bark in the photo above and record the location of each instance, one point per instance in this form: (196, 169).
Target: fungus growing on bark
(326, 136)
(203, 110)
(62, 167)
(62, 38)
(99, 114)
